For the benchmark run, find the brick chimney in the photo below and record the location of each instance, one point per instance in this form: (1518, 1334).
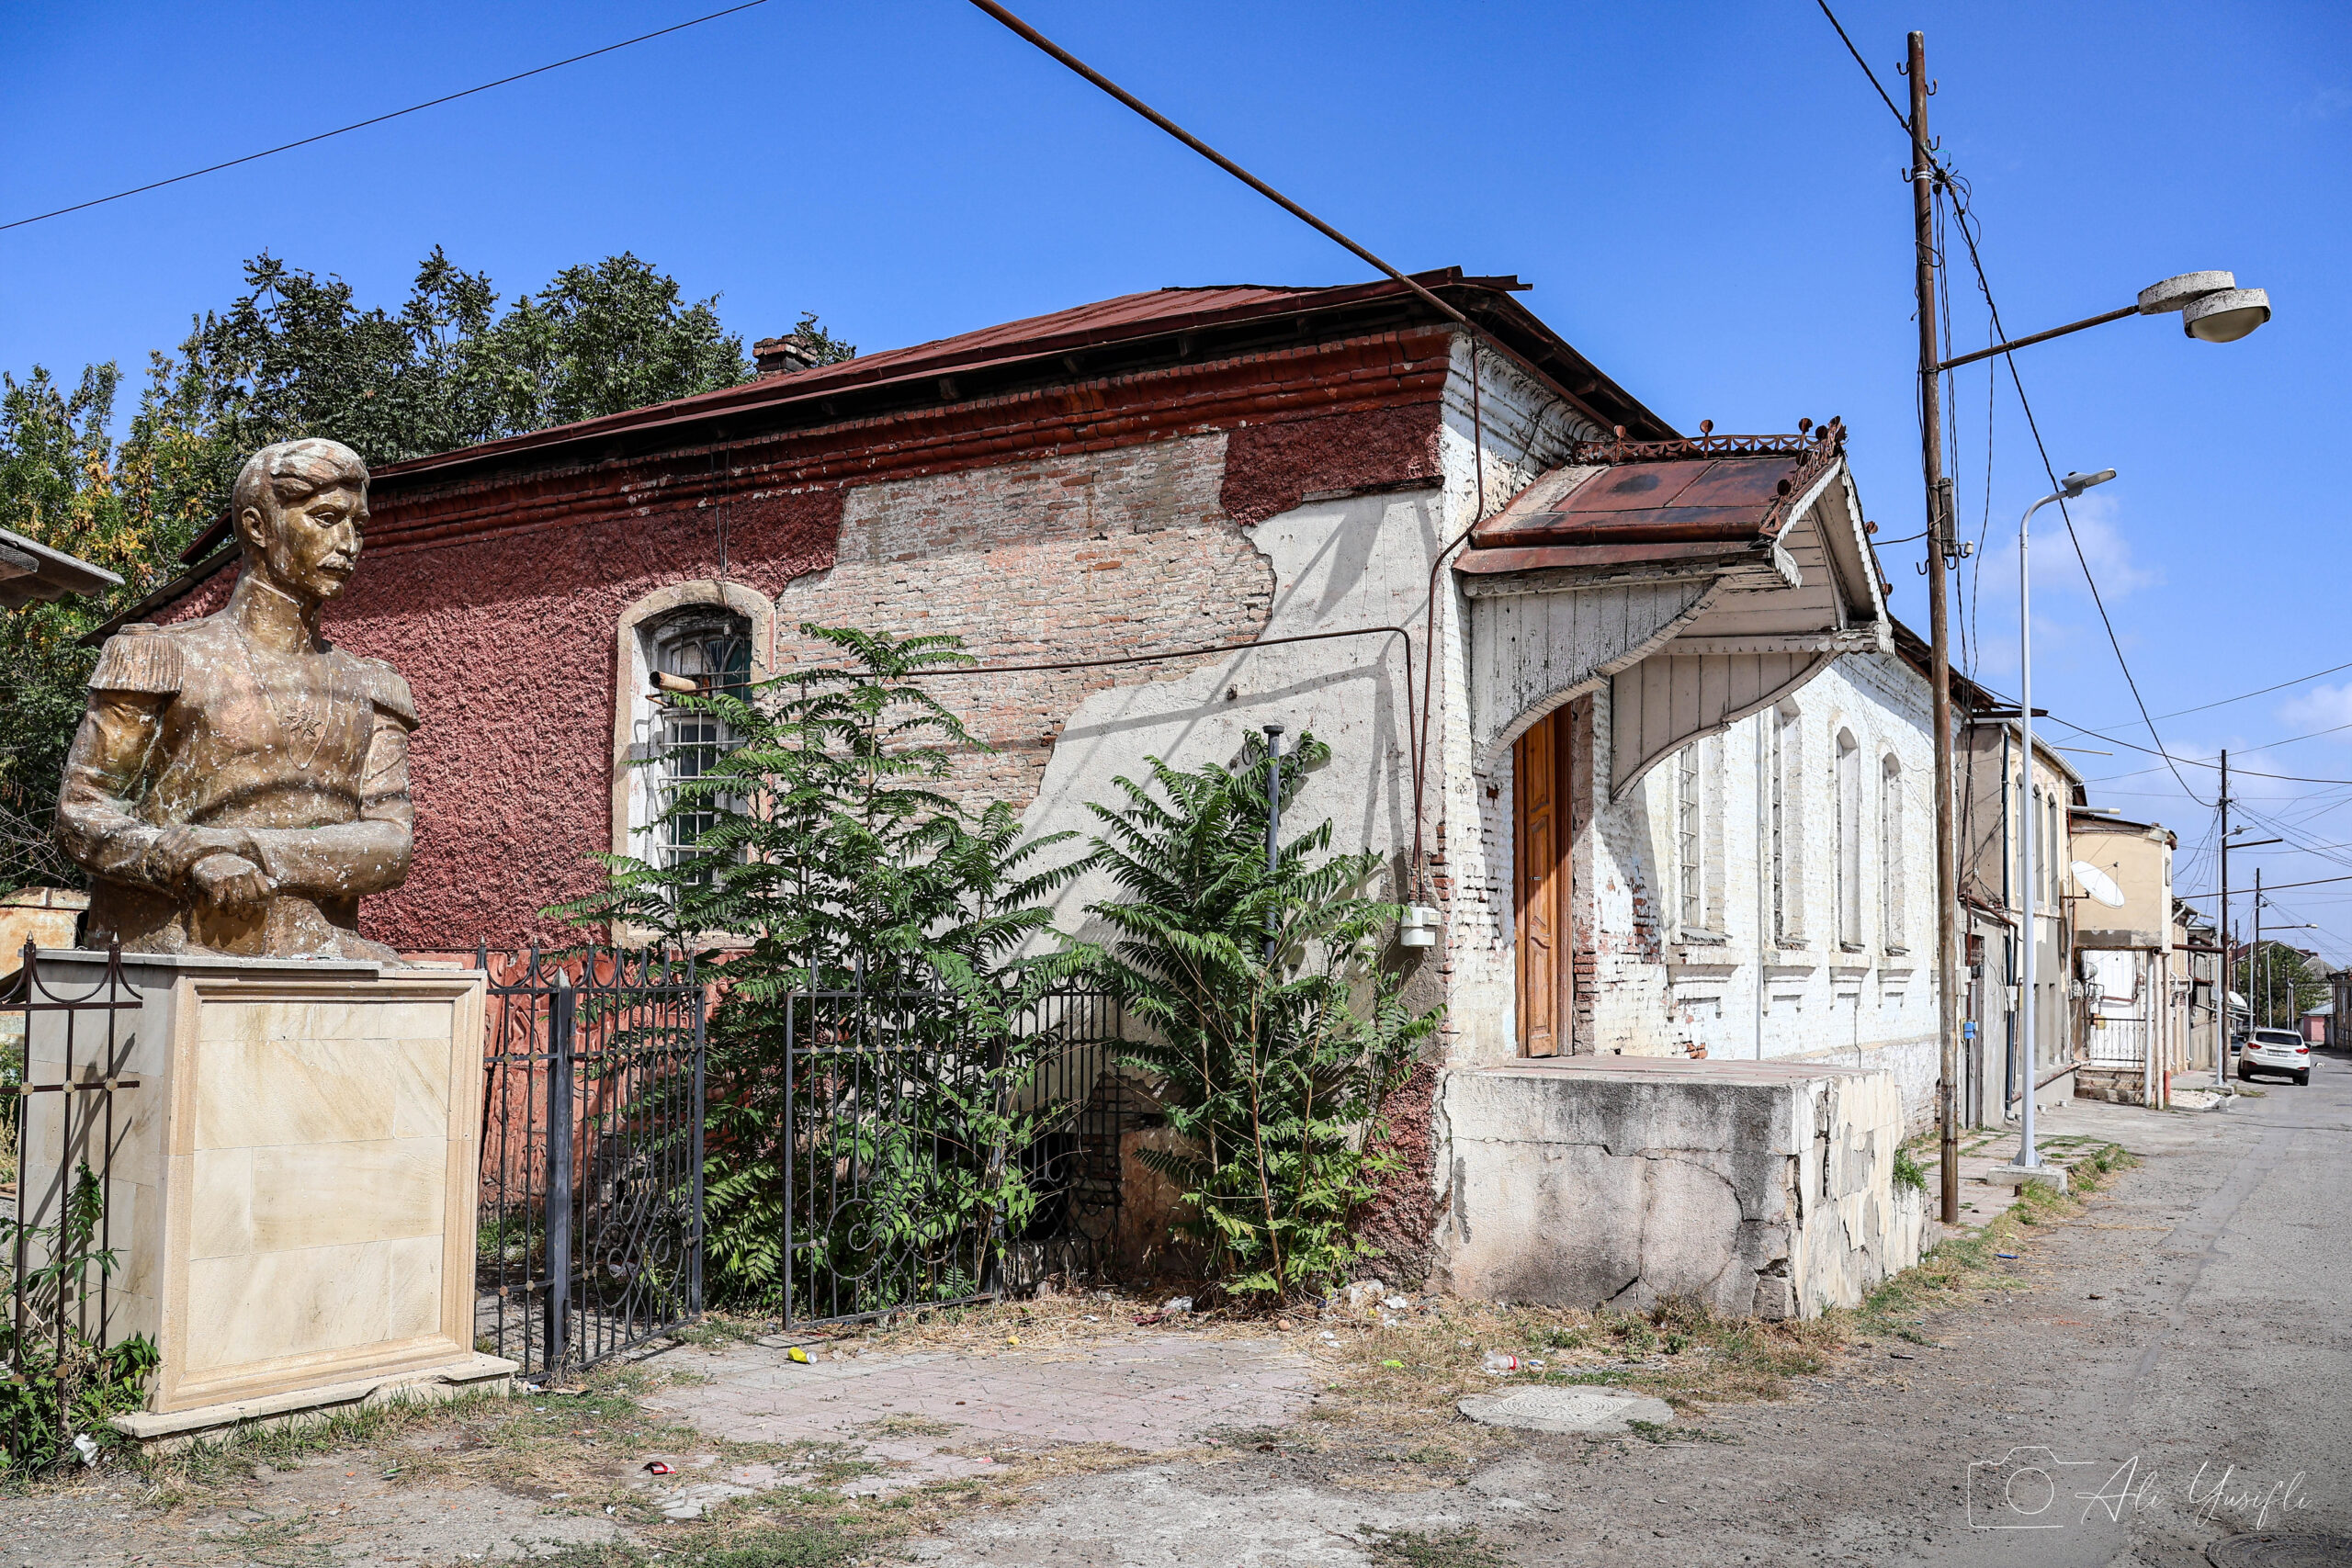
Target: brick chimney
(773, 355)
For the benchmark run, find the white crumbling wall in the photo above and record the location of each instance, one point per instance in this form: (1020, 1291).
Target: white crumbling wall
(1763, 1188)
(1729, 987)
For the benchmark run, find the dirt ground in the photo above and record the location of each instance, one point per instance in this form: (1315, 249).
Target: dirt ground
(2158, 1366)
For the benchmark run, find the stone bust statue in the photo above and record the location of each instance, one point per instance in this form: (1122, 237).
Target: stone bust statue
(238, 782)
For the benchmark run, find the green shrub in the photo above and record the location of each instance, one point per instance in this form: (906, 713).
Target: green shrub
(825, 850)
(66, 1383)
(1274, 1033)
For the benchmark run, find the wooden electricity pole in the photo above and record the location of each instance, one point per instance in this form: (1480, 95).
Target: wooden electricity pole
(1931, 463)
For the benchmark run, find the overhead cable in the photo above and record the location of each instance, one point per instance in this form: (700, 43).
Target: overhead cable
(379, 119)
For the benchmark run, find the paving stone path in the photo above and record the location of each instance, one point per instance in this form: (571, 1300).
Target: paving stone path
(928, 1416)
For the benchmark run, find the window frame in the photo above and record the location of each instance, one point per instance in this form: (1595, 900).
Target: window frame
(633, 708)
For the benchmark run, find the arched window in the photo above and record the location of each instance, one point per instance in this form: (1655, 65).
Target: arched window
(700, 650)
(1784, 827)
(1690, 838)
(1890, 854)
(1849, 786)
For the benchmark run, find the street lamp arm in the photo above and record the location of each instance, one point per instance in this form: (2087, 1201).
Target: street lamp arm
(2039, 337)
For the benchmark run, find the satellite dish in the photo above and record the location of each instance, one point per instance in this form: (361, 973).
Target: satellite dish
(2098, 884)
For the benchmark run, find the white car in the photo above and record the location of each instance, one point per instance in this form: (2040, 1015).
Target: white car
(2275, 1051)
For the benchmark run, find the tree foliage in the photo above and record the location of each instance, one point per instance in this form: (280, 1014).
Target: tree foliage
(130, 506)
(1273, 1032)
(294, 356)
(2281, 984)
(872, 919)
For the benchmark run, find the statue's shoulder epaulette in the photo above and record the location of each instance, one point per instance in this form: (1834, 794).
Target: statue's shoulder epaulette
(386, 687)
(142, 657)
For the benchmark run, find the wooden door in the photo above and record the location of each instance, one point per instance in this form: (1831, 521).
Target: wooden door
(1541, 859)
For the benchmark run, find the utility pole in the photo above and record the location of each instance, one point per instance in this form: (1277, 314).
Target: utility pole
(2221, 935)
(2256, 968)
(1931, 465)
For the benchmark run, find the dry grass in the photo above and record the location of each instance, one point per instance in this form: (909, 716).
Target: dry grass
(1383, 1418)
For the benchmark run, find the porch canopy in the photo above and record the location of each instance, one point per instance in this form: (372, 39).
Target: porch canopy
(30, 573)
(1700, 579)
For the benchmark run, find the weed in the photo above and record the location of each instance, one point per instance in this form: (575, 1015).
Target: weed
(1660, 1434)
(1463, 1549)
(1908, 1171)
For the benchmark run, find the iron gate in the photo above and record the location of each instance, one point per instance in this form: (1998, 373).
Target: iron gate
(590, 1227)
(69, 1024)
(900, 1123)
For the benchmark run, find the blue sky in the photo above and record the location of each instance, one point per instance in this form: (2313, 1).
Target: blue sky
(1707, 197)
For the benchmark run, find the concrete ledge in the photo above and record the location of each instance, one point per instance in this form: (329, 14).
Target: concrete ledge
(2017, 1176)
(209, 1423)
(1762, 1188)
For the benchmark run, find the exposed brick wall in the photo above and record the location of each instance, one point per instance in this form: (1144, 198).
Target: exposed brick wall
(1106, 553)
(1272, 467)
(1402, 1218)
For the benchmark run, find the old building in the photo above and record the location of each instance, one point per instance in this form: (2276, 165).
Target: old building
(1625, 707)
(2132, 1041)
(1997, 803)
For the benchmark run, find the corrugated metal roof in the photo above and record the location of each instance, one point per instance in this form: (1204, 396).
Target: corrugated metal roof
(1125, 318)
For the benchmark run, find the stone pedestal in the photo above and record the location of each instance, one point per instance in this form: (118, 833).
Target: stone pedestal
(1764, 1187)
(290, 1185)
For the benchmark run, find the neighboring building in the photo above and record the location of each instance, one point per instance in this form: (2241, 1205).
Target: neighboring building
(2196, 983)
(32, 572)
(1668, 719)
(2132, 1041)
(1997, 804)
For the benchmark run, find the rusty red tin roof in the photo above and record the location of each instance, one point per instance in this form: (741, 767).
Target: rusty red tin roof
(1128, 317)
(1642, 497)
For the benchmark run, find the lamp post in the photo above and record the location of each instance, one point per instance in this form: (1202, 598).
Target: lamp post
(2213, 309)
(2073, 485)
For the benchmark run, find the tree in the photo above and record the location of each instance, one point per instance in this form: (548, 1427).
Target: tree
(130, 507)
(1275, 1034)
(2280, 985)
(295, 356)
(879, 925)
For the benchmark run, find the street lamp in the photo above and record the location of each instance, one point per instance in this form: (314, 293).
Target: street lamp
(2212, 308)
(2073, 485)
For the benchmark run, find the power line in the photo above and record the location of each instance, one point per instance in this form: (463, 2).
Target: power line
(1899, 118)
(2193, 761)
(2260, 692)
(1963, 211)
(379, 119)
(2281, 887)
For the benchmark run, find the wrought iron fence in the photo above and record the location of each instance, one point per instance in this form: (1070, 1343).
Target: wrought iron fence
(64, 1060)
(927, 1164)
(590, 1223)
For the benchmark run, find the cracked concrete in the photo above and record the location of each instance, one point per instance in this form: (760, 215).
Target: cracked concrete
(1762, 1188)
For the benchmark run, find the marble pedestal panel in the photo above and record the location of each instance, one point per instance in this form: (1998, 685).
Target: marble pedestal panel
(292, 1190)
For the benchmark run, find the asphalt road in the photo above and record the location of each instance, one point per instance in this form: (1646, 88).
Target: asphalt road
(2177, 1372)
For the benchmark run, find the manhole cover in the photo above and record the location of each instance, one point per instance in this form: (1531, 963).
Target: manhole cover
(1564, 1409)
(2273, 1549)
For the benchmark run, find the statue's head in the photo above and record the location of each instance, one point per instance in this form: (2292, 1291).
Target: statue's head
(301, 508)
